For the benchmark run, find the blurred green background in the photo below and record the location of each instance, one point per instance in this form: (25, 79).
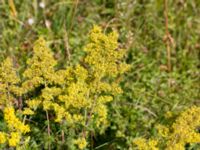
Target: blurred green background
(150, 90)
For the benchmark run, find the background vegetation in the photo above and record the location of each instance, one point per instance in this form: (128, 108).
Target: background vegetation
(153, 88)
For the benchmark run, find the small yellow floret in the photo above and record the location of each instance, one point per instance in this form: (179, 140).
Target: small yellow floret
(2, 137)
(13, 122)
(143, 144)
(14, 139)
(27, 111)
(81, 142)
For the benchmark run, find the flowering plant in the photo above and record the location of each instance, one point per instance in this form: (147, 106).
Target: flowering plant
(72, 99)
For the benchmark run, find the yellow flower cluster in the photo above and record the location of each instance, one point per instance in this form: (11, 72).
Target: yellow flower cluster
(28, 111)
(144, 144)
(14, 139)
(9, 87)
(182, 132)
(9, 81)
(13, 122)
(3, 137)
(77, 94)
(40, 68)
(104, 60)
(68, 91)
(15, 126)
(103, 54)
(81, 142)
(33, 103)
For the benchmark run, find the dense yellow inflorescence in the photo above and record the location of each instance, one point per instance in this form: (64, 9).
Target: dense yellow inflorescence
(144, 144)
(183, 131)
(40, 69)
(103, 54)
(15, 127)
(81, 142)
(13, 122)
(9, 89)
(14, 139)
(76, 87)
(3, 137)
(8, 83)
(77, 94)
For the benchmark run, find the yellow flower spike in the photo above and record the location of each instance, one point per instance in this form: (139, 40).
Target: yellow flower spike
(59, 111)
(78, 118)
(34, 103)
(40, 68)
(3, 137)
(143, 144)
(153, 144)
(13, 122)
(9, 81)
(103, 53)
(8, 73)
(101, 110)
(81, 143)
(27, 111)
(184, 129)
(104, 99)
(49, 93)
(15, 127)
(81, 73)
(14, 139)
(68, 118)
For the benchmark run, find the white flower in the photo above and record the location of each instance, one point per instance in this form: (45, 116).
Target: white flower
(30, 21)
(41, 4)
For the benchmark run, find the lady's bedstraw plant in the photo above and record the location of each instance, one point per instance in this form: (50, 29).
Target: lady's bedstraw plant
(185, 130)
(9, 90)
(76, 96)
